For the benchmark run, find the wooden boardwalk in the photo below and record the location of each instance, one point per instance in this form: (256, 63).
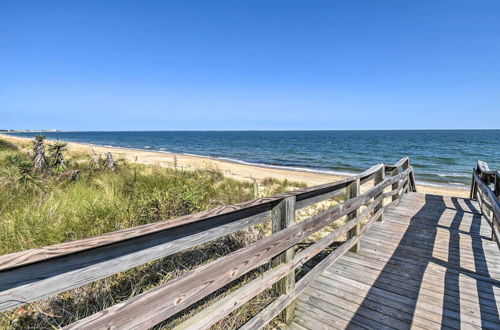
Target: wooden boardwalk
(430, 264)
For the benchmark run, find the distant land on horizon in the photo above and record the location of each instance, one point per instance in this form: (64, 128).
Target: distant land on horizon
(439, 156)
(247, 130)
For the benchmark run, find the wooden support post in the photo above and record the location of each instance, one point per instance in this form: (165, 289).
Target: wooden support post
(379, 177)
(473, 186)
(411, 177)
(395, 185)
(283, 216)
(352, 190)
(413, 182)
(497, 184)
(493, 224)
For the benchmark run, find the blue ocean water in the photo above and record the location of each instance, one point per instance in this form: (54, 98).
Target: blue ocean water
(438, 156)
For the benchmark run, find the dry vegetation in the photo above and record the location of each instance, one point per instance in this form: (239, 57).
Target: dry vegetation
(44, 205)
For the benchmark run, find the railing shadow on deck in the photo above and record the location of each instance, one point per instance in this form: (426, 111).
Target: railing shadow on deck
(35, 274)
(416, 252)
(31, 275)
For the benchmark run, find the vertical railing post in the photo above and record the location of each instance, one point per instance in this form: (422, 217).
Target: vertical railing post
(473, 186)
(411, 177)
(493, 224)
(395, 185)
(497, 184)
(379, 177)
(352, 190)
(283, 216)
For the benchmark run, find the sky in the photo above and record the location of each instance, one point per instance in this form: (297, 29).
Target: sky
(245, 65)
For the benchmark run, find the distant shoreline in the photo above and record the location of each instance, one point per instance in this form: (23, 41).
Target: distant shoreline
(239, 170)
(280, 167)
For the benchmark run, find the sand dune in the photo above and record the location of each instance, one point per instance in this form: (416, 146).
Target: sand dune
(230, 169)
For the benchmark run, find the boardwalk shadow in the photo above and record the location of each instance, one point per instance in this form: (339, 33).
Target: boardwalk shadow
(424, 271)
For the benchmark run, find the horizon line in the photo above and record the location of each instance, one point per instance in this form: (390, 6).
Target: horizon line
(246, 130)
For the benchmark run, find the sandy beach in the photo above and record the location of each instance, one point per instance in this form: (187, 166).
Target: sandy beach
(229, 169)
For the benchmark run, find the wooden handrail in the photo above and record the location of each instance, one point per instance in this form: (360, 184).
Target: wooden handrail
(73, 264)
(304, 197)
(487, 198)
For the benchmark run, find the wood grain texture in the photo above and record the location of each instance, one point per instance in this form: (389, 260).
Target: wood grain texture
(400, 163)
(491, 198)
(379, 177)
(69, 265)
(428, 266)
(73, 264)
(151, 307)
(226, 305)
(283, 216)
(352, 191)
(488, 203)
(304, 197)
(19, 286)
(273, 309)
(395, 171)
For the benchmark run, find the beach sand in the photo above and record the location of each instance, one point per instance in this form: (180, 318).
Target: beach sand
(229, 169)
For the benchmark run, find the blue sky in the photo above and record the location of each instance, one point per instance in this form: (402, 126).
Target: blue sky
(175, 65)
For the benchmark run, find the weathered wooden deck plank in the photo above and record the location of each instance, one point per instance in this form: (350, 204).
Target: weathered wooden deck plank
(406, 278)
(429, 265)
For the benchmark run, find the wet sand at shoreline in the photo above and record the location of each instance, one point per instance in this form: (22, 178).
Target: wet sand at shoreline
(229, 169)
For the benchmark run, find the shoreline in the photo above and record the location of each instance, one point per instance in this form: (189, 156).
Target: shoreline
(235, 169)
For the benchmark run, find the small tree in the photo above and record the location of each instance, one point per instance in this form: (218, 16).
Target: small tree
(56, 154)
(40, 163)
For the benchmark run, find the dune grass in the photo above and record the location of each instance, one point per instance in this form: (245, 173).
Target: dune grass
(44, 209)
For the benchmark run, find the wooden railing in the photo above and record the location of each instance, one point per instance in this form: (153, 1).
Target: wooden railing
(487, 198)
(31, 275)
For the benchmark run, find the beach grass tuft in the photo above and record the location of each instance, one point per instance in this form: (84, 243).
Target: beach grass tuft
(40, 209)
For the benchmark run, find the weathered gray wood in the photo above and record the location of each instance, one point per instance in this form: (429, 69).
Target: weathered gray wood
(162, 302)
(395, 171)
(365, 317)
(328, 290)
(283, 216)
(497, 184)
(379, 177)
(273, 309)
(433, 289)
(296, 326)
(352, 191)
(487, 199)
(473, 186)
(490, 196)
(68, 265)
(18, 286)
(229, 213)
(304, 197)
(486, 203)
(400, 163)
(412, 185)
(405, 272)
(482, 167)
(236, 299)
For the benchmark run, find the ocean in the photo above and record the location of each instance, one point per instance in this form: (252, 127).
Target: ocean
(443, 157)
